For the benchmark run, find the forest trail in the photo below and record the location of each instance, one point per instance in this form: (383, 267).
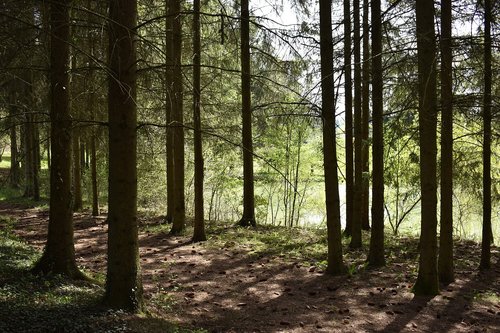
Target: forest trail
(228, 287)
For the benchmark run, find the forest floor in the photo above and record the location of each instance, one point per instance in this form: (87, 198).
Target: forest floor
(267, 279)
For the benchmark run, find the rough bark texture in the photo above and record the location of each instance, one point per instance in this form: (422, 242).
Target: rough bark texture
(59, 253)
(77, 172)
(169, 106)
(445, 262)
(376, 254)
(123, 279)
(365, 216)
(349, 149)
(335, 261)
(179, 205)
(199, 216)
(14, 174)
(31, 182)
(427, 280)
(358, 172)
(248, 218)
(487, 234)
(93, 171)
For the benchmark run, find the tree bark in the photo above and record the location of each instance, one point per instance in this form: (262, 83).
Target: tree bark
(376, 254)
(77, 172)
(487, 230)
(123, 279)
(93, 171)
(14, 159)
(248, 218)
(199, 216)
(358, 167)
(365, 218)
(179, 208)
(349, 149)
(427, 280)
(169, 107)
(335, 261)
(59, 253)
(445, 261)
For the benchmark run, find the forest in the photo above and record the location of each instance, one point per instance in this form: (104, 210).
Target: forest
(249, 166)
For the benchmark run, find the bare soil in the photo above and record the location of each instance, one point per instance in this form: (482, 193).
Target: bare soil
(228, 288)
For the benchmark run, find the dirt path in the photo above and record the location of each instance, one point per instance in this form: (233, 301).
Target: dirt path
(229, 289)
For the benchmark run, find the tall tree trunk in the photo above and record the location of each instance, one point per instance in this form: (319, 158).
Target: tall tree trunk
(248, 218)
(28, 163)
(93, 131)
(445, 262)
(77, 152)
(77, 171)
(93, 171)
(123, 279)
(14, 159)
(199, 216)
(179, 209)
(365, 219)
(358, 144)
(349, 149)
(169, 107)
(376, 254)
(487, 230)
(59, 253)
(335, 261)
(427, 280)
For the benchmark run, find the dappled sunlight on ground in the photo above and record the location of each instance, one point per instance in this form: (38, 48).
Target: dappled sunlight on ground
(230, 287)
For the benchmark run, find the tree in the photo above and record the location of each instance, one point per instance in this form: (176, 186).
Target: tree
(14, 176)
(376, 254)
(365, 217)
(248, 218)
(487, 101)
(349, 151)
(123, 278)
(445, 261)
(77, 153)
(177, 120)
(358, 172)
(335, 261)
(169, 107)
(199, 222)
(427, 280)
(59, 253)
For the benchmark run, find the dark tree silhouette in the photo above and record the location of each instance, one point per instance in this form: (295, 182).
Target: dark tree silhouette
(427, 280)
(123, 278)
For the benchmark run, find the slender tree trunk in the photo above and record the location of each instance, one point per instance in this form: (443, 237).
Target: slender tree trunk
(123, 279)
(365, 219)
(14, 159)
(487, 230)
(358, 166)
(28, 162)
(376, 254)
(248, 218)
(427, 280)
(335, 261)
(77, 171)
(93, 131)
(179, 209)
(349, 149)
(445, 262)
(77, 152)
(199, 216)
(93, 171)
(169, 107)
(59, 253)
